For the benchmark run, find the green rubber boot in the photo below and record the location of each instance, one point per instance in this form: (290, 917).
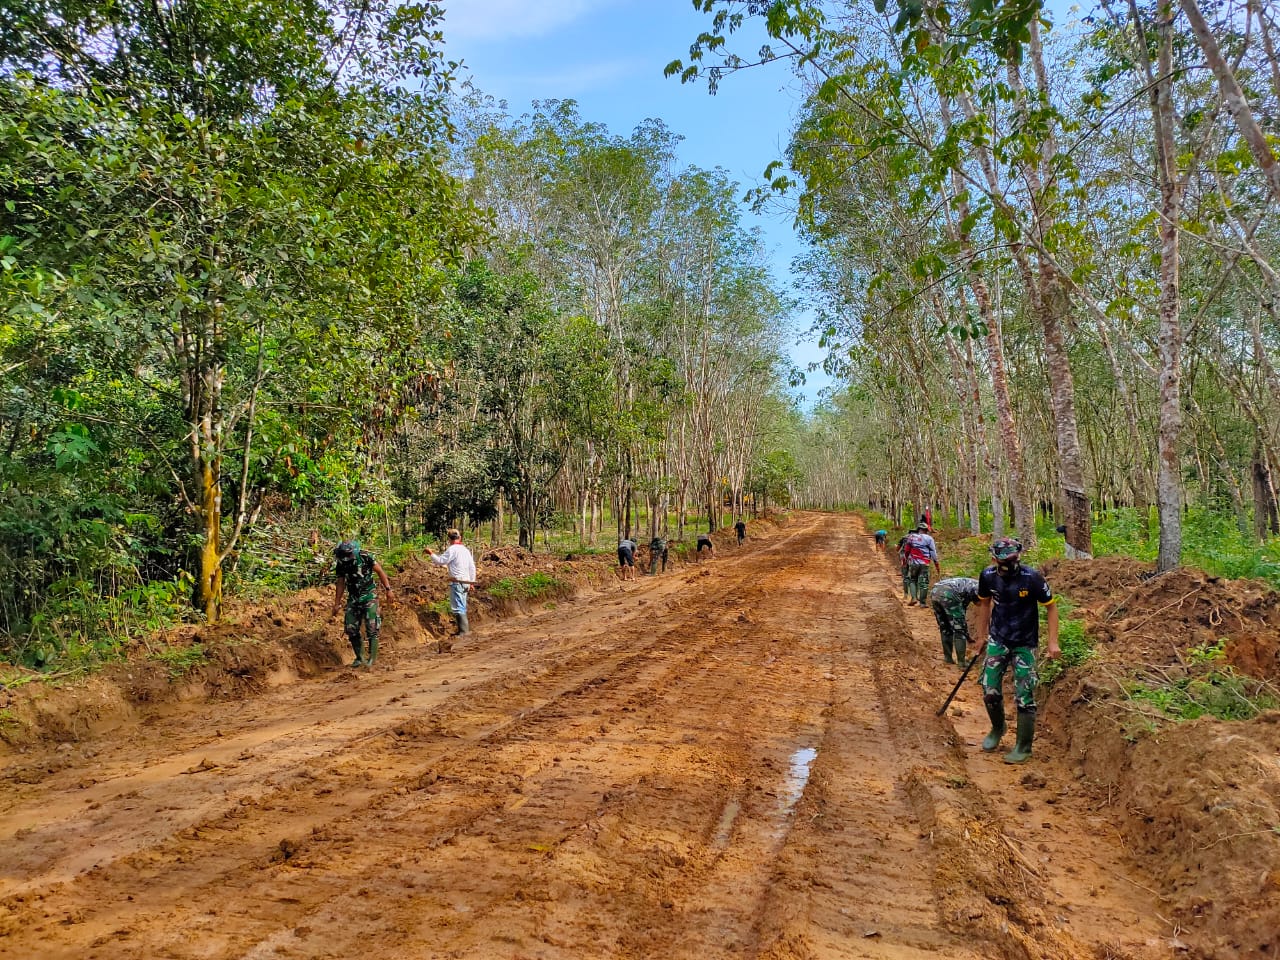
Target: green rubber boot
(946, 650)
(996, 712)
(373, 652)
(464, 625)
(356, 646)
(962, 649)
(1021, 751)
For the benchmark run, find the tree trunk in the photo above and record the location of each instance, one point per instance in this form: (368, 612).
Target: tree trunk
(1266, 512)
(1078, 516)
(1169, 473)
(208, 574)
(995, 350)
(1049, 298)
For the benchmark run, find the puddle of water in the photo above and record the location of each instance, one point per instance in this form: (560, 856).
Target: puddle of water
(792, 789)
(797, 777)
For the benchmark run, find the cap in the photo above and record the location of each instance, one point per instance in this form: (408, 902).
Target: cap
(1006, 548)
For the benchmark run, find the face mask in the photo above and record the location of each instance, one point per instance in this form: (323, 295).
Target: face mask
(1007, 568)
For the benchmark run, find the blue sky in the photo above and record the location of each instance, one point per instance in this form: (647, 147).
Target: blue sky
(609, 55)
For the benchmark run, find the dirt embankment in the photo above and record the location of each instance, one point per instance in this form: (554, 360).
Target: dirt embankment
(263, 645)
(1196, 802)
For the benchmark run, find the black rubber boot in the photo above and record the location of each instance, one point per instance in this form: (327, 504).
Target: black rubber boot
(962, 650)
(995, 710)
(1021, 751)
(357, 646)
(946, 650)
(373, 652)
(464, 625)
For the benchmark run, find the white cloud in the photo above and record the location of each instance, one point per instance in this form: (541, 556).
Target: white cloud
(504, 19)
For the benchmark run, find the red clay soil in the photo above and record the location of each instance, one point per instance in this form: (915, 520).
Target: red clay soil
(1196, 804)
(738, 759)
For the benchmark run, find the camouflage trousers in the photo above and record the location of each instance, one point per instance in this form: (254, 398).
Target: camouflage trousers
(952, 625)
(1024, 674)
(358, 614)
(916, 580)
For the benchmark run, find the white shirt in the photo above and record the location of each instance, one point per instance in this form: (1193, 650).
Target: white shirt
(462, 566)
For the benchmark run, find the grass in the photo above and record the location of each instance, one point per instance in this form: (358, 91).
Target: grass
(438, 606)
(1221, 693)
(530, 587)
(1073, 639)
(1205, 687)
(1211, 541)
(180, 660)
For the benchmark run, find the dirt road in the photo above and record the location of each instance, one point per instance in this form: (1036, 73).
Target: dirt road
(738, 760)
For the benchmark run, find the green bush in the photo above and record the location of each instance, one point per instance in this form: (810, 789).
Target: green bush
(180, 660)
(1072, 639)
(530, 587)
(1205, 687)
(1220, 693)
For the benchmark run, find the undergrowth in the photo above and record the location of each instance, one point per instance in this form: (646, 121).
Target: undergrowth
(1203, 686)
(1211, 541)
(180, 660)
(530, 587)
(1072, 639)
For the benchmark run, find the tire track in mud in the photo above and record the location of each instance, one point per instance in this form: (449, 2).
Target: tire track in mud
(249, 822)
(61, 842)
(855, 877)
(737, 761)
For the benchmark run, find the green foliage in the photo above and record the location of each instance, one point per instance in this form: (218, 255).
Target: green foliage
(876, 520)
(967, 557)
(77, 626)
(1220, 693)
(772, 477)
(220, 263)
(1073, 640)
(1212, 541)
(180, 660)
(529, 587)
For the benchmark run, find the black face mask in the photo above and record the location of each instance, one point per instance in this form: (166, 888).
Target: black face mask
(1007, 568)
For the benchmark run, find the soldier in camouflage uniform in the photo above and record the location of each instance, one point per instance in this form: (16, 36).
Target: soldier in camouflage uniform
(356, 570)
(1009, 597)
(949, 599)
(657, 552)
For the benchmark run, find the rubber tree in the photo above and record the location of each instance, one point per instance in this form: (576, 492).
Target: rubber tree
(234, 169)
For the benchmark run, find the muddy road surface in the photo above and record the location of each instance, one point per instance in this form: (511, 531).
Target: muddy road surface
(734, 760)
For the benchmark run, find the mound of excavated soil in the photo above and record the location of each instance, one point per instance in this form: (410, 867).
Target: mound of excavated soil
(1134, 616)
(1197, 803)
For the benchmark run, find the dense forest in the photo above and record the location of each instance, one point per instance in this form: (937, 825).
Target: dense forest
(271, 277)
(267, 286)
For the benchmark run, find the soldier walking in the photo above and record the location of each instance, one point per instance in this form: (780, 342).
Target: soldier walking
(1009, 620)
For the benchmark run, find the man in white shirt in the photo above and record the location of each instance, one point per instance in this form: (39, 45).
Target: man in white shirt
(462, 577)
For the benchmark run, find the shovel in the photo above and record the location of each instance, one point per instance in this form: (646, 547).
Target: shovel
(956, 688)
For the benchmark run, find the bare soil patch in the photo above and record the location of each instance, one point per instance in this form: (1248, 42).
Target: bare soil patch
(741, 759)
